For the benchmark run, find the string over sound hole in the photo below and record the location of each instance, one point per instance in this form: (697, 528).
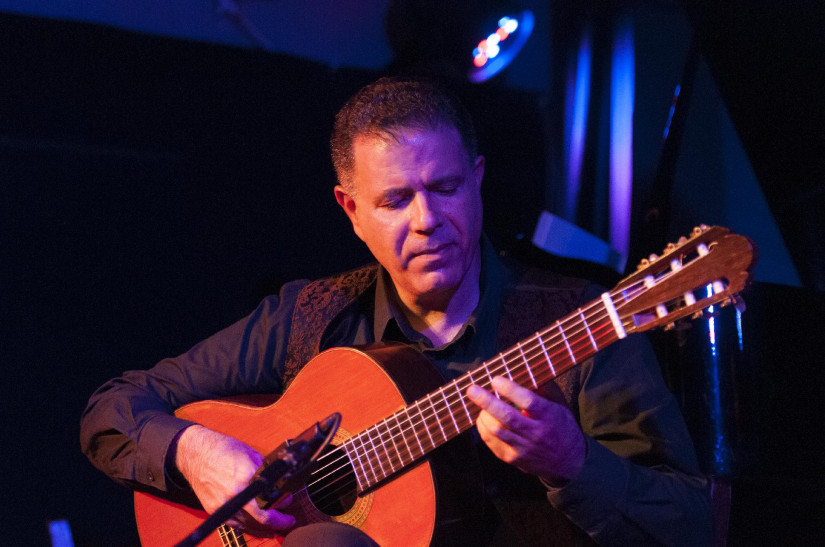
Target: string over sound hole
(332, 487)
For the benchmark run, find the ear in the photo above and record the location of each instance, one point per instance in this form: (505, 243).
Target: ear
(347, 203)
(478, 171)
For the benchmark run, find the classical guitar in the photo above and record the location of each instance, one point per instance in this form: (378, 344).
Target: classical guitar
(380, 475)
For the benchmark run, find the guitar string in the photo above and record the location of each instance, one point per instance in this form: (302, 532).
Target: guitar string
(441, 404)
(426, 417)
(575, 347)
(566, 362)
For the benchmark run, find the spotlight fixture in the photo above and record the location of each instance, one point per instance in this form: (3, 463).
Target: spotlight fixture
(499, 48)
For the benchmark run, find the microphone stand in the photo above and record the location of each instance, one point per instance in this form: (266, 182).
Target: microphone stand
(282, 472)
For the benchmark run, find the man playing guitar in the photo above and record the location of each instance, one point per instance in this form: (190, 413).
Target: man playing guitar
(600, 453)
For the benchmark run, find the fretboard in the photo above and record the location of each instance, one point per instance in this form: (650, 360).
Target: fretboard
(405, 437)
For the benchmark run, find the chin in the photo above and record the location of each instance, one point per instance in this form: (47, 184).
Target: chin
(437, 282)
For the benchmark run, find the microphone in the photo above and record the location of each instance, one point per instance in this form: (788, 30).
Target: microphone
(286, 468)
(282, 472)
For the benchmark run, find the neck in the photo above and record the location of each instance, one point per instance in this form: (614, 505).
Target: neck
(441, 317)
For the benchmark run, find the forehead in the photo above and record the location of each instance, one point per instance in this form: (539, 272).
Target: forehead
(409, 152)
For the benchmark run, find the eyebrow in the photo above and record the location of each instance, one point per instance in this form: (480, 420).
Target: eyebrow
(395, 192)
(450, 179)
(404, 191)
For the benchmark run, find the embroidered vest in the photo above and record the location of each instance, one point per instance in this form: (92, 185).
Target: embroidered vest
(536, 300)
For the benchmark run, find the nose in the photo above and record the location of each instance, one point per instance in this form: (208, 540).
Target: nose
(424, 215)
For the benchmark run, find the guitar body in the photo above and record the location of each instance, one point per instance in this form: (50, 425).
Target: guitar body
(364, 385)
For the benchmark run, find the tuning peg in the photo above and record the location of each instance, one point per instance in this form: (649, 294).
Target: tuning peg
(698, 314)
(699, 230)
(653, 257)
(670, 247)
(670, 326)
(682, 240)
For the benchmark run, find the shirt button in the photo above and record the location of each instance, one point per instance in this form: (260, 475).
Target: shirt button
(150, 476)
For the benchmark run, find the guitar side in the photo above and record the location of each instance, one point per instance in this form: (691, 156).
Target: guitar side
(365, 387)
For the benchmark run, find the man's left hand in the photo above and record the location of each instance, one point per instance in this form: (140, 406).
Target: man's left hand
(536, 435)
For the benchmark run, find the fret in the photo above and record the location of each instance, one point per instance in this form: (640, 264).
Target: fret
(490, 377)
(403, 437)
(415, 434)
(366, 452)
(377, 455)
(546, 356)
(426, 427)
(469, 376)
(527, 366)
(460, 392)
(387, 455)
(566, 343)
(450, 410)
(587, 328)
(506, 367)
(360, 477)
(392, 440)
(437, 419)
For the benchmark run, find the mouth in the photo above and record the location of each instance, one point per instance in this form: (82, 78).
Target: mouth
(438, 249)
(431, 257)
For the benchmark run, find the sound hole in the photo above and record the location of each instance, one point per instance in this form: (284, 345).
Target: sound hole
(332, 487)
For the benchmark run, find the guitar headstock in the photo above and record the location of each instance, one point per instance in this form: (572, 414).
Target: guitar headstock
(674, 285)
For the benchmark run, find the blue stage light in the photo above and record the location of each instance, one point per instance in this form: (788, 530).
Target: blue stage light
(500, 47)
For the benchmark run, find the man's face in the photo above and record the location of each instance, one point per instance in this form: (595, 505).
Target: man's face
(417, 206)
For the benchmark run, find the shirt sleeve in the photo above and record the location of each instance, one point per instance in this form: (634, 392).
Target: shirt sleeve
(128, 426)
(640, 484)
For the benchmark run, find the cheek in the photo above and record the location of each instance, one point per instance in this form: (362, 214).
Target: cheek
(387, 236)
(466, 217)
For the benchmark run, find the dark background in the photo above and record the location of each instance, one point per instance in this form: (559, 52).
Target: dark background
(154, 189)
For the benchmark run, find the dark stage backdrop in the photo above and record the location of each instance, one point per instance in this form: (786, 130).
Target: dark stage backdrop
(155, 189)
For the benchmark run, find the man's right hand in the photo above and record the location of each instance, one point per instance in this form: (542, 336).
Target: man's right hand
(217, 468)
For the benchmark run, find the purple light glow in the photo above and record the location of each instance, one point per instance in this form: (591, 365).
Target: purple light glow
(576, 121)
(622, 88)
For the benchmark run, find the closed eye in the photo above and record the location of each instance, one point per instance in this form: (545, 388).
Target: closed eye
(394, 204)
(395, 200)
(446, 187)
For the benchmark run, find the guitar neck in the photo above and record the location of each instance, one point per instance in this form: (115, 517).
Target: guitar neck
(405, 437)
